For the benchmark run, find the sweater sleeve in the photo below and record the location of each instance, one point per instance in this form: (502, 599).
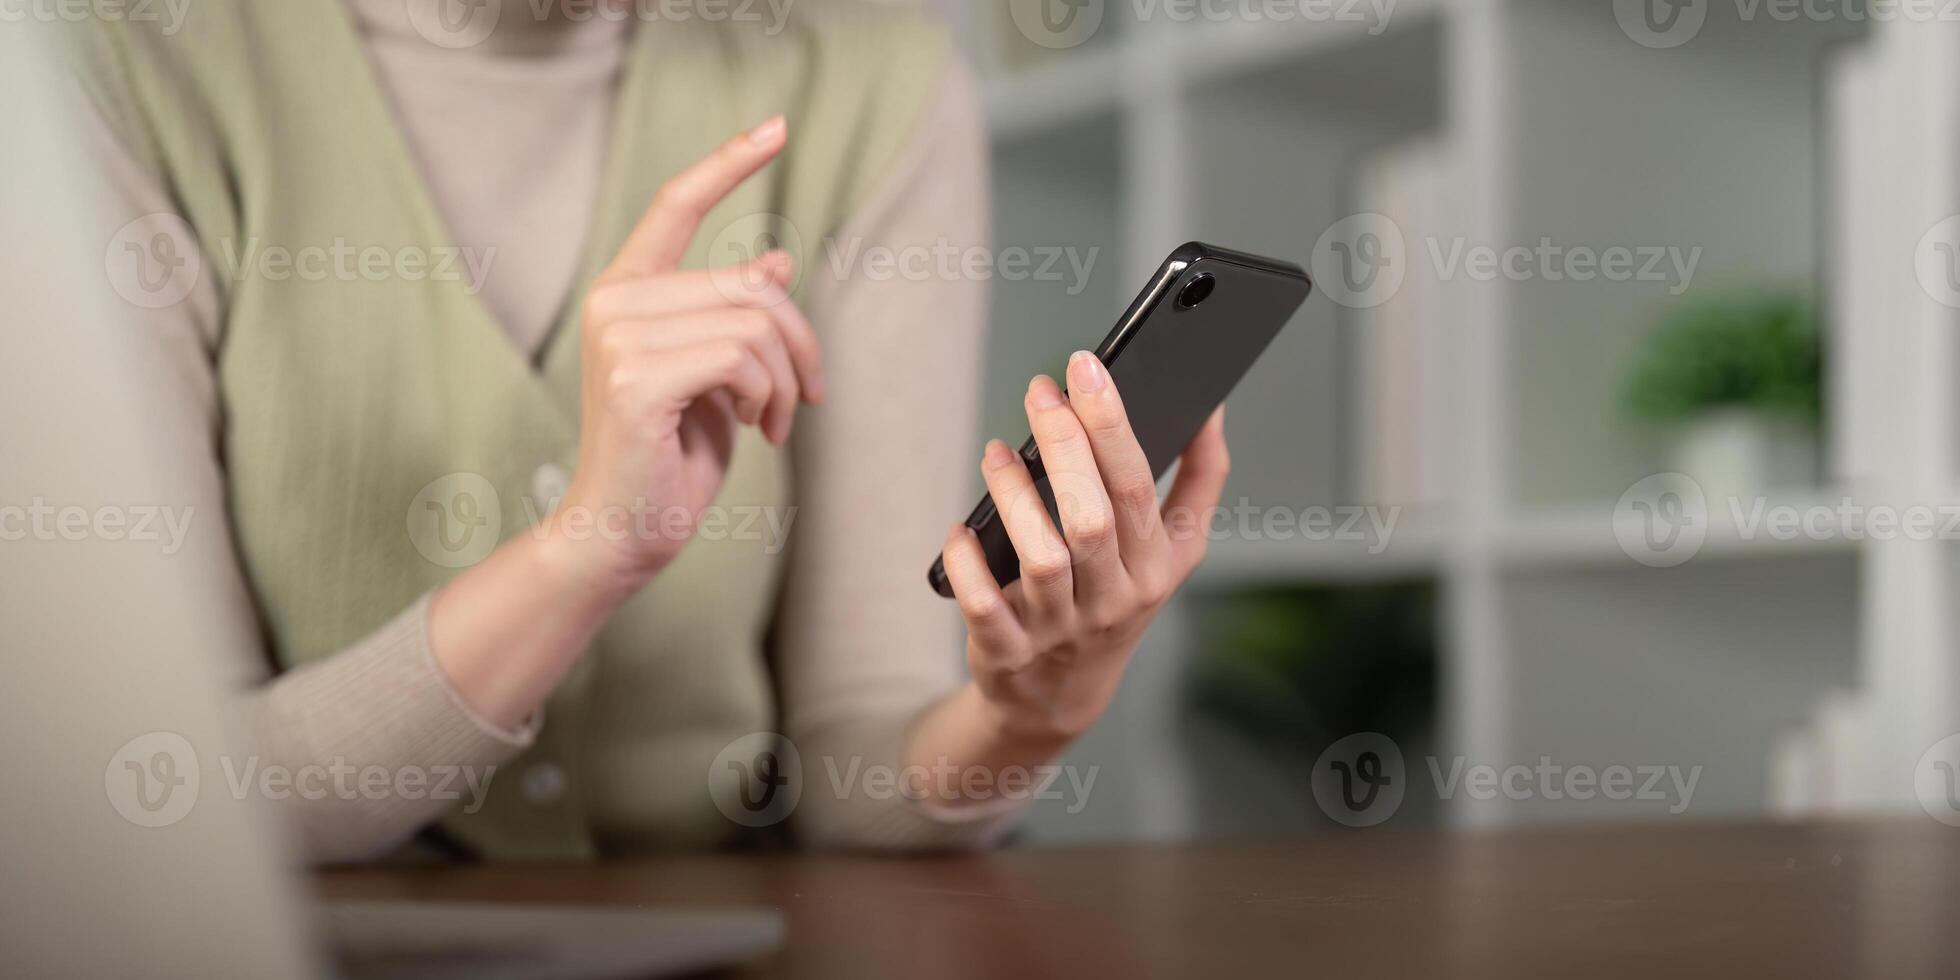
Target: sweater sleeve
(383, 702)
(883, 466)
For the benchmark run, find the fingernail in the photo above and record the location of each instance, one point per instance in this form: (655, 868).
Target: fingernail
(1043, 393)
(1086, 373)
(780, 268)
(770, 132)
(998, 455)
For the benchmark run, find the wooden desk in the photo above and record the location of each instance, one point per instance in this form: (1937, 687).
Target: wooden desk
(1877, 900)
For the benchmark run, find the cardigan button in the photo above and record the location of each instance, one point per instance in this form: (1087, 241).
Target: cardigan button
(545, 783)
(548, 486)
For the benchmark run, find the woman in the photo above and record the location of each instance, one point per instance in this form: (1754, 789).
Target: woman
(596, 402)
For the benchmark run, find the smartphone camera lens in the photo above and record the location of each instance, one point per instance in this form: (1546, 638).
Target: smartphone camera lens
(1196, 291)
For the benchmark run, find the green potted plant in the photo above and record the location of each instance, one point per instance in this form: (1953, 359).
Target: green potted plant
(1736, 383)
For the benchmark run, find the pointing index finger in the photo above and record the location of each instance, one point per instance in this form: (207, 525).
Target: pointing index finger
(661, 238)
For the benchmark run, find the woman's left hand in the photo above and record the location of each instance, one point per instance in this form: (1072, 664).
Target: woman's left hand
(1048, 652)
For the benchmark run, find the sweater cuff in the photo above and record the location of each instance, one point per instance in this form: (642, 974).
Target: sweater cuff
(415, 643)
(383, 703)
(408, 708)
(851, 815)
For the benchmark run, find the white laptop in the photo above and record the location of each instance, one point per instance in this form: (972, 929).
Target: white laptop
(388, 940)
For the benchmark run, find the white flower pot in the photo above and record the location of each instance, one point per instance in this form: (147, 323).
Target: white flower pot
(1746, 453)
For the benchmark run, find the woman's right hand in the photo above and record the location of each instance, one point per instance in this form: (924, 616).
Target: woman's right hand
(671, 363)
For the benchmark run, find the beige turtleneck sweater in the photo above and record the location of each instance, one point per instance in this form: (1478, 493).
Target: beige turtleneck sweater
(510, 135)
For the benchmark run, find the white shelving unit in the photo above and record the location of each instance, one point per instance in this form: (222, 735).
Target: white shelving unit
(1553, 641)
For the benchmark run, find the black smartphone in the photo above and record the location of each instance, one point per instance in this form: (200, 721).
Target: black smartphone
(1193, 332)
